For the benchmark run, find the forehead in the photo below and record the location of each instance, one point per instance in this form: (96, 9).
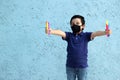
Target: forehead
(76, 20)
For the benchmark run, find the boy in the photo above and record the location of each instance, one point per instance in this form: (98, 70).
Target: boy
(76, 64)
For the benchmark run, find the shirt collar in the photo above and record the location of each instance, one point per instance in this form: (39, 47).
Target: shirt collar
(79, 34)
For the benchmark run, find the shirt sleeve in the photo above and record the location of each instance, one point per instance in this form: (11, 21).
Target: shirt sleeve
(67, 36)
(88, 34)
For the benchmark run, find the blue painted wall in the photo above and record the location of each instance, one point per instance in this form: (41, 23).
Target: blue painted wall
(27, 53)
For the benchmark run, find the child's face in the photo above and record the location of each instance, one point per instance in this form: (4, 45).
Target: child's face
(77, 21)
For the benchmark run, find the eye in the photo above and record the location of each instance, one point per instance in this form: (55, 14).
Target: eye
(77, 23)
(73, 24)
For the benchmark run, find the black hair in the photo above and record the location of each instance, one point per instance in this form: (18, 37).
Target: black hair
(78, 16)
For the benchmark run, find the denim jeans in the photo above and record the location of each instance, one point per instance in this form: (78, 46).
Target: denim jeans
(76, 73)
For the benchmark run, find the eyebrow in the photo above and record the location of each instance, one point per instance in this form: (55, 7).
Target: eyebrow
(74, 23)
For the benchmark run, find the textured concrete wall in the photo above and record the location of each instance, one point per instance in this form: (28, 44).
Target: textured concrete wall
(27, 53)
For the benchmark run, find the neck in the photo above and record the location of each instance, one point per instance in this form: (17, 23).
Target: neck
(79, 32)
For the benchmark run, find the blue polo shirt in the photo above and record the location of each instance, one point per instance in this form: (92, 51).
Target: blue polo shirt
(77, 49)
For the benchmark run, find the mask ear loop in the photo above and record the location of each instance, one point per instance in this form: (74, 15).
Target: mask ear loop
(81, 28)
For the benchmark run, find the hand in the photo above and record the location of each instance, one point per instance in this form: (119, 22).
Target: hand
(108, 32)
(47, 30)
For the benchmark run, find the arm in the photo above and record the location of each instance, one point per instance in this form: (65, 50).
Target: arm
(56, 32)
(99, 33)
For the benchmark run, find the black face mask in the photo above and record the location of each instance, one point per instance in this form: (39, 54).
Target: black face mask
(75, 28)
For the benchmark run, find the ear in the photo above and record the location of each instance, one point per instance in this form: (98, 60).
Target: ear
(82, 27)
